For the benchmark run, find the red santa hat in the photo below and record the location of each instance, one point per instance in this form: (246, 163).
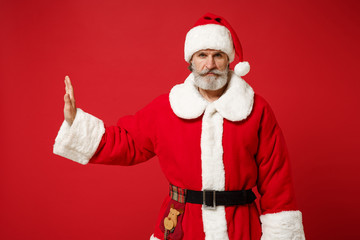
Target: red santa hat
(214, 32)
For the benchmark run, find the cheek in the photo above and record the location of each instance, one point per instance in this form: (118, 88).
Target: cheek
(222, 65)
(198, 65)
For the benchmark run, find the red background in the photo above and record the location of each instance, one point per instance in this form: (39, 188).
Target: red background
(304, 58)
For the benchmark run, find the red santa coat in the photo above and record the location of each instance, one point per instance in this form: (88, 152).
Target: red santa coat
(233, 143)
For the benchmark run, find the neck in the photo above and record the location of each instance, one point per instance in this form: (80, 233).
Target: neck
(212, 95)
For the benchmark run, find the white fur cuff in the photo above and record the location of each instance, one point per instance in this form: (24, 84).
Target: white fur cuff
(79, 141)
(286, 225)
(153, 237)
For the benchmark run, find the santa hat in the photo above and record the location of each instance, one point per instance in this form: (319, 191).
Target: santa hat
(214, 32)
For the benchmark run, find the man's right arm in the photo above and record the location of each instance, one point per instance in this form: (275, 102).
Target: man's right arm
(84, 138)
(80, 133)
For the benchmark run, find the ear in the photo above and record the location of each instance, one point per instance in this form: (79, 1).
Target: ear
(190, 67)
(172, 205)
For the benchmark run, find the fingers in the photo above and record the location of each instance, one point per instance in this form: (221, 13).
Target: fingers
(67, 84)
(68, 87)
(70, 90)
(69, 110)
(69, 99)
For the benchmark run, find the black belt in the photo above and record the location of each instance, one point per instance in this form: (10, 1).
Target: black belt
(210, 199)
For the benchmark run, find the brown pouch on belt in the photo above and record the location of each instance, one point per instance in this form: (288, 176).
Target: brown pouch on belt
(171, 225)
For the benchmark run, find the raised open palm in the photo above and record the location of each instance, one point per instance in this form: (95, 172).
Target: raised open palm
(69, 99)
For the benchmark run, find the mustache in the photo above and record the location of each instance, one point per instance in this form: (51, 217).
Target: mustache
(214, 71)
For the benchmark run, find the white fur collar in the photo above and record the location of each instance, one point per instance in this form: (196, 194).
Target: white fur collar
(235, 104)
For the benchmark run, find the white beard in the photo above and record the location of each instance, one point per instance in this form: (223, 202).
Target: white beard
(210, 82)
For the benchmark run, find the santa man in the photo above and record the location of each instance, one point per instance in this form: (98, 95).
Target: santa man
(215, 139)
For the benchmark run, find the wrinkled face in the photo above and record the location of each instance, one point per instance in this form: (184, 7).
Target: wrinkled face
(210, 59)
(210, 69)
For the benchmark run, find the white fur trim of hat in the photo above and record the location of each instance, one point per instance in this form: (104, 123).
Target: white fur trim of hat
(210, 36)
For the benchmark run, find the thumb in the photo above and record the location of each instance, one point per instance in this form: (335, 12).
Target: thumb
(67, 106)
(67, 99)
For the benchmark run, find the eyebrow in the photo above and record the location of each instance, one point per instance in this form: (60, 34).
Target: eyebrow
(204, 51)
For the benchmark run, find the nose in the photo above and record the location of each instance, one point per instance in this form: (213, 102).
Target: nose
(210, 63)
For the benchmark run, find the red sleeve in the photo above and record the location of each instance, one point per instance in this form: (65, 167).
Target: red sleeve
(131, 141)
(274, 177)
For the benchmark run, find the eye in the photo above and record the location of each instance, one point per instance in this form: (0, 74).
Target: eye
(202, 55)
(218, 55)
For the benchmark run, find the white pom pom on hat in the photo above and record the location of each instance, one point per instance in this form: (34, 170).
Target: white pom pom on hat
(242, 68)
(214, 32)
